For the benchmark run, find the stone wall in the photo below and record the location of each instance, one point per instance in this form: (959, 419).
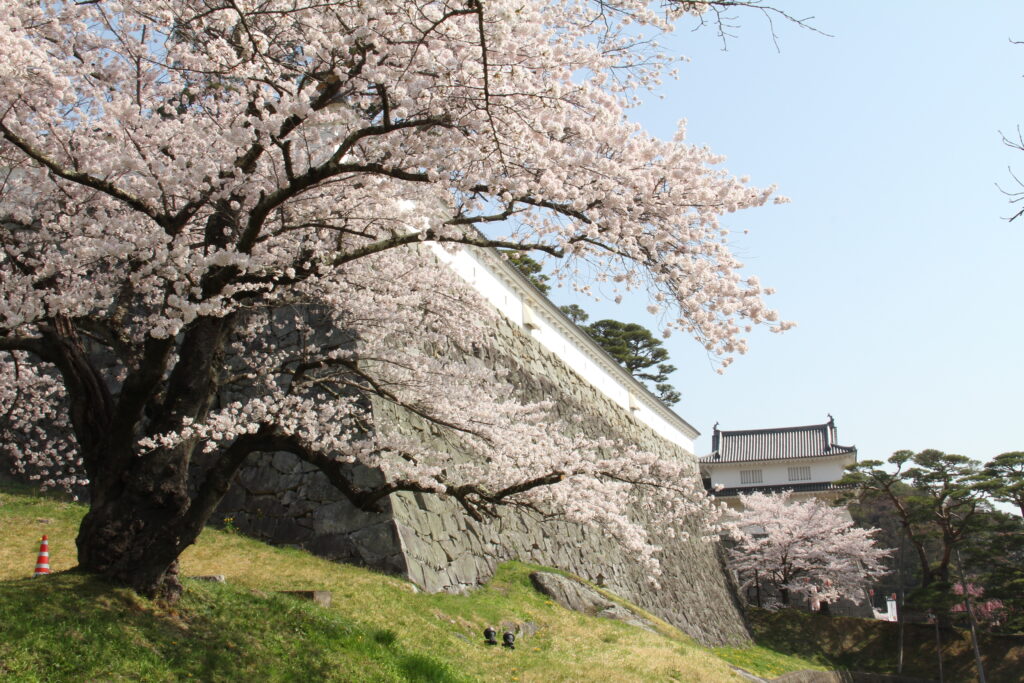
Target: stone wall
(433, 543)
(283, 500)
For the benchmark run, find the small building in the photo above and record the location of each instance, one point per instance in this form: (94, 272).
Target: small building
(805, 460)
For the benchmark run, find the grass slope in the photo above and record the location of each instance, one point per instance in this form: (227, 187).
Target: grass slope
(73, 627)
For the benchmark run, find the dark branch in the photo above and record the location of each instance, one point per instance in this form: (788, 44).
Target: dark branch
(85, 179)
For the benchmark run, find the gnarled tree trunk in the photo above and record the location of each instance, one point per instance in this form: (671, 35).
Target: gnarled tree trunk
(141, 515)
(129, 538)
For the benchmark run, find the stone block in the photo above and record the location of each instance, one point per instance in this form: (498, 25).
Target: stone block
(235, 499)
(322, 598)
(414, 572)
(288, 530)
(304, 508)
(484, 568)
(211, 578)
(265, 506)
(267, 480)
(366, 477)
(435, 581)
(343, 517)
(284, 462)
(376, 542)
(464, 569)
(569, 593)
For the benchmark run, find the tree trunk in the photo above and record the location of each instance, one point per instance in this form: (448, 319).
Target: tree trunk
(140, 517)
(132, 537)
(144, 521)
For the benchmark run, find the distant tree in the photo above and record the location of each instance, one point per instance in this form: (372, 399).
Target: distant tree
(993, 559)
(988, 611)
(631, 344)
(1002, 478)
(874, 510)
(639, 351)
(575, 313)
(667, 393)
(805, 548)
(530, 267)
(937, 501)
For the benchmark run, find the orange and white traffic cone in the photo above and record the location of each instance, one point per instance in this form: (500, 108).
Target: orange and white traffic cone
(43, 561)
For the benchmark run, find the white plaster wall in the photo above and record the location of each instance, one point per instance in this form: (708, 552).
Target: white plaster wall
(777, 472)
(527, 308)
(497, 292)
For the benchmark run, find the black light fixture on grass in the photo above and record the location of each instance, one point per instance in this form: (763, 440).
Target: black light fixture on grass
(489, 634)
(509, 640)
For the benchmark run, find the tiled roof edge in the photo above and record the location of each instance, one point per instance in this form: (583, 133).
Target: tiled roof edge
(776, 488)
(836, 450)
(773, 430)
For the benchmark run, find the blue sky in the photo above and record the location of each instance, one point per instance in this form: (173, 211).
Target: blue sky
(895, 257)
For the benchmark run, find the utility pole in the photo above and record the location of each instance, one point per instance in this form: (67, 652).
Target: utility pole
(938, 645)
(899, 602)
(970, 617)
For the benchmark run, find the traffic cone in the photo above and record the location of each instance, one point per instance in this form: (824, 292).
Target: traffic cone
(43, 561)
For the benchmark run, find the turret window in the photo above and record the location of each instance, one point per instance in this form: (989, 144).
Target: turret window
(800, 473)
(751, 477)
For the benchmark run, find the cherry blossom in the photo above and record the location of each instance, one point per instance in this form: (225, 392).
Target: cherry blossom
(803, 548)
(213, 216)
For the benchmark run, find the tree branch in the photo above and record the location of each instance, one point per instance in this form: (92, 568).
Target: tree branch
(218, 478)
(85, 179)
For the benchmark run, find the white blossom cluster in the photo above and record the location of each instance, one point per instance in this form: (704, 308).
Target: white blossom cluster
(35, 435)
(807, 548)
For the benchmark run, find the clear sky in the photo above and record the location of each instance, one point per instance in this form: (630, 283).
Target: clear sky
(895, 258)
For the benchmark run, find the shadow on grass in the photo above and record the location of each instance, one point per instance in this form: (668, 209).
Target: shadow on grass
(73, 626)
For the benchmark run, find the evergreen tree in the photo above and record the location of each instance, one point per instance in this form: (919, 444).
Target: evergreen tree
(1003, 479)
(937, 501)
(639, 351)
(575, 313)
(530, 267)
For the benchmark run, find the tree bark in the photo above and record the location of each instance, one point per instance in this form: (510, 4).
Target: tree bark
(136, 525)
(128, 538)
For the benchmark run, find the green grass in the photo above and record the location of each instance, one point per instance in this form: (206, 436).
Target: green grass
(74, 627)
(769, 663)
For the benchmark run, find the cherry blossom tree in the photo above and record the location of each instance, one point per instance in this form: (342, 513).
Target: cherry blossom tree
(990, 612)
(217, 223)
(803, 548)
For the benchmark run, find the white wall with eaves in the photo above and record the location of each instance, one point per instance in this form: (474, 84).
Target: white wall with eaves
(776, 472)
(509, 292)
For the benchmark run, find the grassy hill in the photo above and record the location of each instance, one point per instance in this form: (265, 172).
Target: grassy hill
(73, 627)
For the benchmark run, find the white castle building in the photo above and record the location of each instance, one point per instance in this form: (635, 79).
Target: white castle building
(805, 460)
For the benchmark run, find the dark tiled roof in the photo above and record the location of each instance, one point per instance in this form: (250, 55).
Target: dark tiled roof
(778, 488)
(747, 445)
